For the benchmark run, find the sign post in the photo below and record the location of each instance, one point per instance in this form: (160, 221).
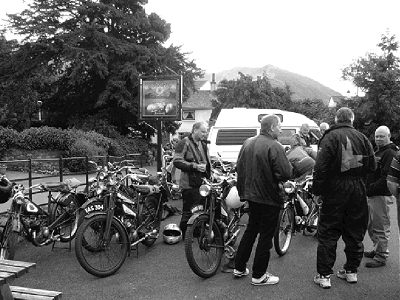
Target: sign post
(160, 100)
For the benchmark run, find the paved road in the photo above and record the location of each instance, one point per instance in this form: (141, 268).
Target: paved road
(161, 272)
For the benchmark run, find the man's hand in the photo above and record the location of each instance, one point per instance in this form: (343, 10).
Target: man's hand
(393, 188)
(201, 167)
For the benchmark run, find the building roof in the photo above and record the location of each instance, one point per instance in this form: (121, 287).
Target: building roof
(199, 100)
(198, 84)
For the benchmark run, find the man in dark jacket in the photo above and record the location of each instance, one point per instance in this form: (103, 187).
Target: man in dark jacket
(379, 198)
(344, 159)
(261, 165)
(192, 158)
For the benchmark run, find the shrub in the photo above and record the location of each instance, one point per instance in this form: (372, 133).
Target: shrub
(45, 138)
(82, 147)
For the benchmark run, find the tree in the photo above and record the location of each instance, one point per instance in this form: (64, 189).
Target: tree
(379, 77)
(246, 92)
(89, 55)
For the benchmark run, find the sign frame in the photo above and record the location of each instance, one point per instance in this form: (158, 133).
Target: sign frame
(160, 98)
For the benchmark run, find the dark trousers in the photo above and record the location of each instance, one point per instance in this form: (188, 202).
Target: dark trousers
(190, 198)
(344, 213)
(262, 220)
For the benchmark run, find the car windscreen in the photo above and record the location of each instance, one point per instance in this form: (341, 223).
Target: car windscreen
(286, 136)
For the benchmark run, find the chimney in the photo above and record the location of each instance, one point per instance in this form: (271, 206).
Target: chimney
(213, 83)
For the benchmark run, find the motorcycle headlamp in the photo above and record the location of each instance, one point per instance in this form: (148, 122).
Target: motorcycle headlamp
(289, 187)
(204, 190)
(100, 188)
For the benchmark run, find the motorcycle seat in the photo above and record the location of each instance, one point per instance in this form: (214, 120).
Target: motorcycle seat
(146, 189)
(64, 186)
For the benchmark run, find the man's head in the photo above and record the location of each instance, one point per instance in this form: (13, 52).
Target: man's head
(199, 131)
(323, 127)
(271, 124)
(304, 129)
(344, 115)
(382, 136)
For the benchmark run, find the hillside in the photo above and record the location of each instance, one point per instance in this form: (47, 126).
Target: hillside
(302, 86)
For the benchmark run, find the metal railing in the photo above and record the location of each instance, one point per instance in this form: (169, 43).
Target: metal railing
(137, 158)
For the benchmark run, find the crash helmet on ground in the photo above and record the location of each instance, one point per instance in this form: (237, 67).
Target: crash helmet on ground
(172, 234)
(5, 189)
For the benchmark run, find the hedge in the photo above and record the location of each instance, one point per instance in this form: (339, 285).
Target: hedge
(73, 142)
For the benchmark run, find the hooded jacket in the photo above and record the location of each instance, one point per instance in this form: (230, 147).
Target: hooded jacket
(376, 181)
(261, 165)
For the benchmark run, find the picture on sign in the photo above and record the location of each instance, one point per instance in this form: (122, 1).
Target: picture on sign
(160, 98)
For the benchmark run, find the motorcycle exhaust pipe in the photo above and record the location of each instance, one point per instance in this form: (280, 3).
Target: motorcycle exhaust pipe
(303, 205)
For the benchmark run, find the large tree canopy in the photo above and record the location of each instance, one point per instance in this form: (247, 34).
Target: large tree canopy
(246, 92)
(379, 77)
(83, 58)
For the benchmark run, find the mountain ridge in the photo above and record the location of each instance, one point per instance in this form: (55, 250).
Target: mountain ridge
(302, 86)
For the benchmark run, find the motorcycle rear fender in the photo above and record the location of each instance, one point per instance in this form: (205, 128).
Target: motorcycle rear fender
(195, 216)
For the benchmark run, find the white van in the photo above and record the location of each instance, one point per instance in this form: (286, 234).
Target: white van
(235, 125)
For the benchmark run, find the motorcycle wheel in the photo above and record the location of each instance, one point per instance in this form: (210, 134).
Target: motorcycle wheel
(153, 221)
(9, 239)
(69, 224)
(108, 257)
(284, 231)
(204, 257)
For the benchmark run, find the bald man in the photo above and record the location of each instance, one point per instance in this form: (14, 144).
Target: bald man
(379, 198)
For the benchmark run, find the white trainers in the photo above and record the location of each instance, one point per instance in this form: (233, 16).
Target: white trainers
(267, 278)
(347, 275)
(323, 281)
(239, 274)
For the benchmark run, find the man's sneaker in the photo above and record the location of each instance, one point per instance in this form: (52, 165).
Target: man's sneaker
(238, 274)
(350, 277)
(375, 264)
(267, 278)
(370, 254)
(323, 281)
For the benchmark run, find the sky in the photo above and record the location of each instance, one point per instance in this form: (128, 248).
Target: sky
(314, 38)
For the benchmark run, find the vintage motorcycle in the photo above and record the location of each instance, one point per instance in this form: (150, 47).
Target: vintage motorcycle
(123, 216)
(300, 213)
(37, 225)
(214, 227)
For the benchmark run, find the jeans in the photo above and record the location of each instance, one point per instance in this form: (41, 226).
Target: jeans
(344, 213)
(263, 220)
(191, 198)
(379, 225)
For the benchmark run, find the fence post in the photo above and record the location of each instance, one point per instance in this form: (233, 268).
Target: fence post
(30, 177)
(87, 172)
(60, 166)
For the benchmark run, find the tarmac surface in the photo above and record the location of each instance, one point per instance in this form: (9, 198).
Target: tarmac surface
(162, 272)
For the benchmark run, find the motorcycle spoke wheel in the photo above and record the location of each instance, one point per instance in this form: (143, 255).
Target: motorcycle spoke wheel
(9, 240)
(153, 222)
(103, 258)
(204, 256)
(284, 231)
(69, 222)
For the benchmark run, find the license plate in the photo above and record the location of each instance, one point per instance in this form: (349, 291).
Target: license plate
(94, 207)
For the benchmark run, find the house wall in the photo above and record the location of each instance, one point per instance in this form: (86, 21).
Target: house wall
(201, 115)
